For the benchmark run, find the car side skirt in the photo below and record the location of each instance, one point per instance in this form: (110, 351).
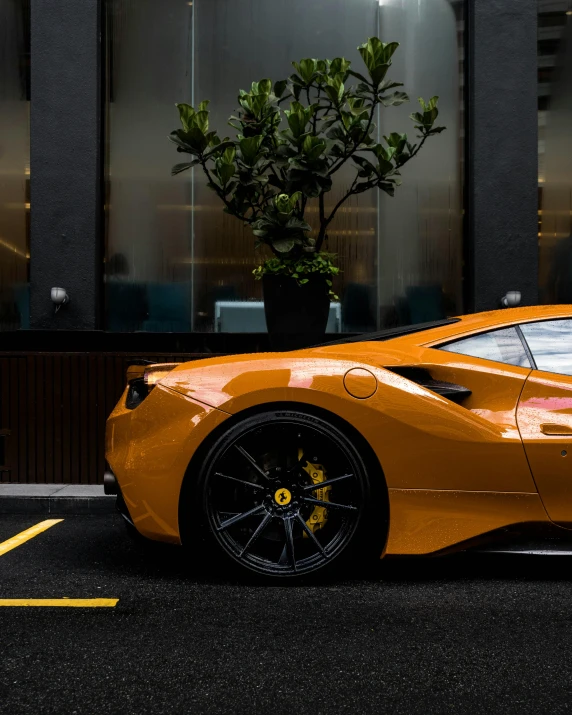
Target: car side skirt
(426, 521)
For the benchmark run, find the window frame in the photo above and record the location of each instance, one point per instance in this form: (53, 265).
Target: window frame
(462, 337)
(557, 319)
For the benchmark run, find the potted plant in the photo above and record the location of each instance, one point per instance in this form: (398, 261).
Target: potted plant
(267, 175)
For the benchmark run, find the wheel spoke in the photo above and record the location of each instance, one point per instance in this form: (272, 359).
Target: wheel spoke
(298, 465)
(290, 542)
(329, 504)
(321, 485)
(240, 481)
(259, 529)
(252, 461)
(240, 517)
(311, 535)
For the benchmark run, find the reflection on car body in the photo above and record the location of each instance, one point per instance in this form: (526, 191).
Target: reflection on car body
(417, 441)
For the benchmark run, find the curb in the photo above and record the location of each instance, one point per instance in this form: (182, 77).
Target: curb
(54, 499)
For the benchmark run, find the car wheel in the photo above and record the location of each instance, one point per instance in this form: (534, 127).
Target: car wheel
(286, 494)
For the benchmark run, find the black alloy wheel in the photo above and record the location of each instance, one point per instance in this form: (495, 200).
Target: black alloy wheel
(285, 493)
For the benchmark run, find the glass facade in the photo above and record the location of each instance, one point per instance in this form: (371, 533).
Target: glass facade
(174, 260)
(14, 163)
(555, 150)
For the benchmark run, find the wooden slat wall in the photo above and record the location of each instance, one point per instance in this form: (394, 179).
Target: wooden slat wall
(53, 409)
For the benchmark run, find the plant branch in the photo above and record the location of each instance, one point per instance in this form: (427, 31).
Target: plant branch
(315, 119)
(415, 152)
(334, 210)
(358, 142)
(218, 190)
(323, 223)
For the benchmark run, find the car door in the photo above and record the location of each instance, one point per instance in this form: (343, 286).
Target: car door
(544, 414)
(494, 366)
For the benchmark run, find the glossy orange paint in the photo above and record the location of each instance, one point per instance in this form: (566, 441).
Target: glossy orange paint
(545, 421)
(453, 472)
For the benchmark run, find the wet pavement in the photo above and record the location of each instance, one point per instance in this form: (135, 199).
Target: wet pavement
(463, 634)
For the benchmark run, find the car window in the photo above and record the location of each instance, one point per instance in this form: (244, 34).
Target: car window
(502, 345)
(550, 342)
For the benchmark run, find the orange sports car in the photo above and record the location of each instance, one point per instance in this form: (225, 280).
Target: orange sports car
(419, 440)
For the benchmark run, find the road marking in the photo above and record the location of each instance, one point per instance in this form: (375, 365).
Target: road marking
(24, 536)
(58, 602)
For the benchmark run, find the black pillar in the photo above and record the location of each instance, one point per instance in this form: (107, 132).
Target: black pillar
(502, 200)
(65, 166)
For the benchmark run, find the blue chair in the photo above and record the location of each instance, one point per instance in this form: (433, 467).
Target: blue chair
(169, 308)
(425, 303)
(126, 306)
(21, 293)
(357, 314)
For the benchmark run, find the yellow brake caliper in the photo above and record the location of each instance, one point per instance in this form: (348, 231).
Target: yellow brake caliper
(319, 516)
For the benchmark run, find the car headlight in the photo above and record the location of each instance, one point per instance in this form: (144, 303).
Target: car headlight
(142, 379)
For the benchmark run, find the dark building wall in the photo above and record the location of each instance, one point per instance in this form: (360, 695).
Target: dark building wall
(502, 202)
(65, 238)
(54, 405)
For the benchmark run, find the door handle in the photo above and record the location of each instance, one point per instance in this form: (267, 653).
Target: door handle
(554, 429)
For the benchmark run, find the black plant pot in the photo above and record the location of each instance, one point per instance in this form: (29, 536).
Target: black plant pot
(296, 315)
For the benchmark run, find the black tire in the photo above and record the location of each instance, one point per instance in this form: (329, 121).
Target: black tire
(261, 510)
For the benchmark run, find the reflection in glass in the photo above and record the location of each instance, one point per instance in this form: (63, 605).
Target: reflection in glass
(173, 256)
(555, 150)
(550, 343)
(420, 229)
(499, 345)
(14, 163)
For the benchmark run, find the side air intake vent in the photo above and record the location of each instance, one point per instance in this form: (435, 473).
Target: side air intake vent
(455, 393)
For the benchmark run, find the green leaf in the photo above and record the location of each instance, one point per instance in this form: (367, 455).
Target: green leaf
(396, 140)
(384, 167)
(179, 168)
(378, 73)
(366, 167)
(225, 172)
(186, 115)
(431, 104)
(201, 120)
(339, 65)
(283, 245)
(218, 148)
(298, 223)
(203, 105)
(306, 69)
(229, 154)
(387, 187)
(389, 84)
(265, 86)
(370, 52)
(250, 148)
(280, 87)
(389, 49)
(395, 99)
(332, 93)
(359, 76)
(313, 147)
(194, 138)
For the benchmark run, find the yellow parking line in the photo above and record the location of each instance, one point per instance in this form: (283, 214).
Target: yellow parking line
(66, 602)
(24, 536)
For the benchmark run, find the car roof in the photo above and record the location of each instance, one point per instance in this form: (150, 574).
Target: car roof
(493, 319)
(427, 334)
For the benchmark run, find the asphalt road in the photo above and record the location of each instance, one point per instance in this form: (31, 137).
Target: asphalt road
(465, 634)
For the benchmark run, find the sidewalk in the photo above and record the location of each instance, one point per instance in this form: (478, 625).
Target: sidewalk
(54, 499)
